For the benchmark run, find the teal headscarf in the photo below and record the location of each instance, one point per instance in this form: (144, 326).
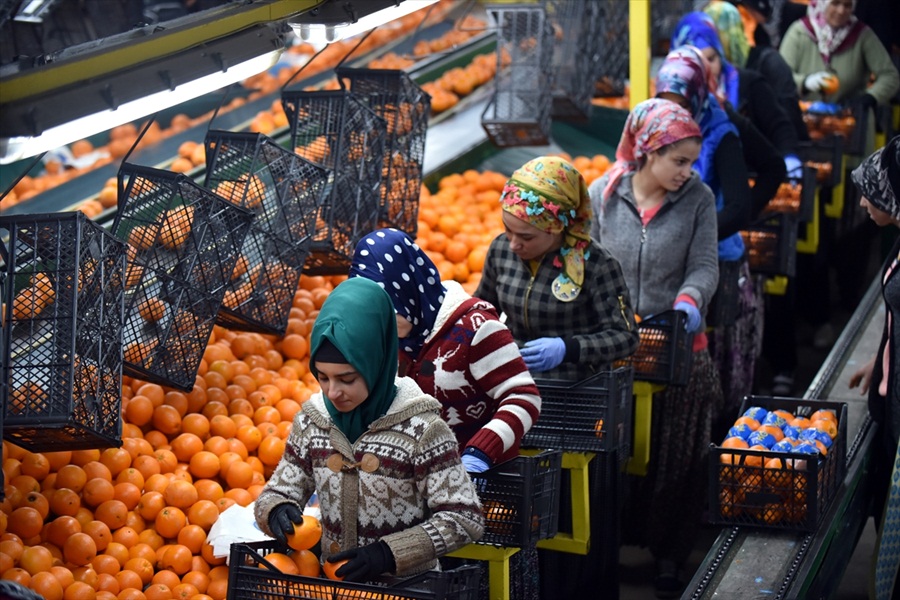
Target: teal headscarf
(359, 319)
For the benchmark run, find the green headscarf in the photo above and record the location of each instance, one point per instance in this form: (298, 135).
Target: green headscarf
(359, 319)
(730, 26)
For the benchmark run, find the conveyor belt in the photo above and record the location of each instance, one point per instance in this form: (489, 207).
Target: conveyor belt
(746, 562)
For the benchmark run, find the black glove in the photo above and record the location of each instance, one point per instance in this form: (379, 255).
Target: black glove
(868, 101)
(364, 563)
(282, 520)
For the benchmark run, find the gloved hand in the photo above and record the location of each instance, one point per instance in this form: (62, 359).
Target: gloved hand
(793, 166)
(815, 82)
(868, 101)
(282, 519)
(364, 563)
(543, 354)
(473, 464)
(692, 324)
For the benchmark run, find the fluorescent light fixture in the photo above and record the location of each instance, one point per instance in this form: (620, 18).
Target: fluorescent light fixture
(61, 135)
(320, 34)
(34, 11)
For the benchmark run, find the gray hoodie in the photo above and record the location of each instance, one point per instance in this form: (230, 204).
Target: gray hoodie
(675, 253)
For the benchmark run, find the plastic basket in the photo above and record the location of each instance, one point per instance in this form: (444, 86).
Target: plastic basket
(771, 245)
(850, 123)
(405, 107)
(826, 157)
(788, 495)
(62, 340)
(593, 415)
(251, 576)
(336, 130)
(520, 499)
(723, 308)
(796, 196)
(665, 352)
(283, 191)
(184, 243)
(575, 56)
(518, 113)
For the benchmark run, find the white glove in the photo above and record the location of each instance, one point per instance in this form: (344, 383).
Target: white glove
(816, 81)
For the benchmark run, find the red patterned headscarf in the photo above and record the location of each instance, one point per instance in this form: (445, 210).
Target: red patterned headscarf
(651, 125)
(550, 194)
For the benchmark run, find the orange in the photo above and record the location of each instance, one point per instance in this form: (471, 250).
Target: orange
(45, 584)
(26, 522)
(169, 522)
(824, 414)
(80, 549)
(282, 562)
(330, 568)
(36, 559)
(181, 494)
(306, 534)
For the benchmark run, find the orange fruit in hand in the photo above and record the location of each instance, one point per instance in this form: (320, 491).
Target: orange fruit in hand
(306, 533)
(831, 84)
(330, 568)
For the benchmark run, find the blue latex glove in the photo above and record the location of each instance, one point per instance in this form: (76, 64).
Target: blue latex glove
(793, 166)
(543, 354)
(473, 464)
(692, 324)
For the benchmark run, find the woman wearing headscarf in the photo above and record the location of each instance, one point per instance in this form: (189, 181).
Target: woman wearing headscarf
(751, 48)
(748, 94)
(878, 180)
(564, 296)
(684, 78)
(568, 308)
(830, 41)
(393, 492)
(658, 219)
(455, 347)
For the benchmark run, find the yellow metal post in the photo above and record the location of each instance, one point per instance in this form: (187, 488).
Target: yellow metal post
(498, 566)
(809, 244)
(578, 541)
(643, 412)
(639, 50)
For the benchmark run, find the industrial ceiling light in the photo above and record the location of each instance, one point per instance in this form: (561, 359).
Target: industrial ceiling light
(34, 11)
(343, 19)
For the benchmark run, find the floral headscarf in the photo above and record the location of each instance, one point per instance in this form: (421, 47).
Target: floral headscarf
(827, 37)
(878, 178)
(651, 125)
(685, 72)
(391, 259)
(727, 20)
(550, 194)
(697, 29)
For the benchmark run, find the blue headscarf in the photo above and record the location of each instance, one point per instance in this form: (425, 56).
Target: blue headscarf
(698, 29)
(391, 259)
(684, 72)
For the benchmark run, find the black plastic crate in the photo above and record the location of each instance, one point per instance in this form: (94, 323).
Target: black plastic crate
(336, 130)
(283, 191)
(793, 492)
(850, 122)
(592, 415)
(796, 196)
(520, 499)
(771, 245)
(405, 107)
(575, 56)
(63, 275)
(184, 243)
(251, 576)
(826, 157)
(665, 352)
(723, 308)
(518, 113)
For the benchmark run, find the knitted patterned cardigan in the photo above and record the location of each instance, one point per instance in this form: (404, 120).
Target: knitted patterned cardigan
(418, 498)
(472, 365)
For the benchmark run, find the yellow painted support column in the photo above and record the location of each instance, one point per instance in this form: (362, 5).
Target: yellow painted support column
(639, 50)
(498, 566)
(809, 244)
(578, 541)
(776, 286)
(643, 412)
(836, 207)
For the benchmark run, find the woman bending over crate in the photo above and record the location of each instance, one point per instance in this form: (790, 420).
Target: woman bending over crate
(455, 347)
(658, 218)
(393, 492)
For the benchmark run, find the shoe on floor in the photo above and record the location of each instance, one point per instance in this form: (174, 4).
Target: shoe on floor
(783, 384)
(824, 337)
(667, 583)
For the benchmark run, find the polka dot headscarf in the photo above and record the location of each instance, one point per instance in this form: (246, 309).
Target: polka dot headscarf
(390, 258)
